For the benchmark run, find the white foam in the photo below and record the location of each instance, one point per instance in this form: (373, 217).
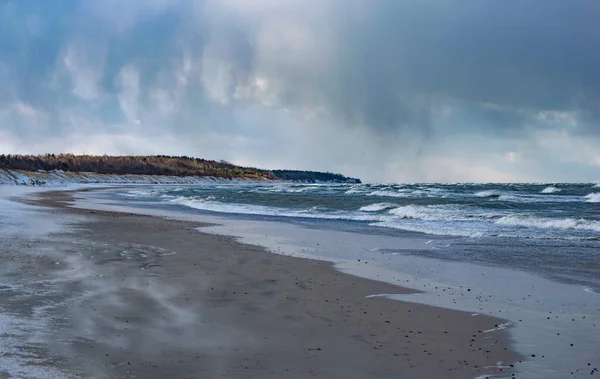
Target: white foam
(430, 228)
(17, 334)
(409, 192)
(593, 197)
(548, 223)
(142, 192)
(527, 198)
(389, 193)
(208, 204)
(550, 189)
(440, 212)
(378, 295)
(502, 326)
(420, 212)
(359, 188)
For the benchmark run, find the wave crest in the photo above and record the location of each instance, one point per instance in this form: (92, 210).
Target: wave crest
(388, 193)
(550, 189)
(488, 193)
(377, 207)
(440, 213)
(593, 197)
(548, 223)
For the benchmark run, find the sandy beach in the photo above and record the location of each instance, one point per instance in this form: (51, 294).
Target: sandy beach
(137, 296)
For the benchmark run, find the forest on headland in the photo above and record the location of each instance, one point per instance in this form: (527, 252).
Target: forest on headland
(158, 165)
(312, 176)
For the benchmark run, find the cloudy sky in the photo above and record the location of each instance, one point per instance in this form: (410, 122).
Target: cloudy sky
(387, 90)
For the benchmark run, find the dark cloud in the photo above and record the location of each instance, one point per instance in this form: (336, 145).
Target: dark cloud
(532, 56)
(403, 72)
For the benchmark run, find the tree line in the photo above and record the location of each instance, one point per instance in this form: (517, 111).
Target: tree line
(140, 165)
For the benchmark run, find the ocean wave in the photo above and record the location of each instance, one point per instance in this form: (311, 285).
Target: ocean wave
(286, 188)
(441, 213)
(548, 223)
(429, 228)
(429, 212)
(356, 189)
(496, 211)
(409, 193)
(389, 193)
(488, 193)
(550, 189)
(377, 207)
(593, 197)
(470, 231)
(209, 204)
(514, 199)
(534, 198)
(142, 193)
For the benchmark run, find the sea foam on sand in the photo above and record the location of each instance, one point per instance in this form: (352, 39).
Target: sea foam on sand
(21, 333)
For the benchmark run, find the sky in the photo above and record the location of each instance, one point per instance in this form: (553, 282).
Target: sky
(384, 90)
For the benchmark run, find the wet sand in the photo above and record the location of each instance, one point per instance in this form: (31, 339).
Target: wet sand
(146, 297)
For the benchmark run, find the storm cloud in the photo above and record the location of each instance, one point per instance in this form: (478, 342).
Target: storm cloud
(388, 90)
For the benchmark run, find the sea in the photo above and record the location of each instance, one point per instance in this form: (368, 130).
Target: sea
(552, 230)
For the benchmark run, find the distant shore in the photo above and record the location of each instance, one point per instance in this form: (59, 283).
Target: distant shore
(52, 169)
(155, 298)
(61, 178)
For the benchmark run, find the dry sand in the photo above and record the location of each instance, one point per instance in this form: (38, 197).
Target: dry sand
(147, 297)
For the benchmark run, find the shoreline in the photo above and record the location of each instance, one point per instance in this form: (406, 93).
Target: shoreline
(358, 335)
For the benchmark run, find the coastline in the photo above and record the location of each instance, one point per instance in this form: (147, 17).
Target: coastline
(62, 178)
(239, 311)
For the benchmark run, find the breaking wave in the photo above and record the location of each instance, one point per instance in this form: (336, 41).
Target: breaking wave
(551, 189)
(489, 193)
(593, 197)
(389, 193)
(410, 192)
(429, 228)
(209, 204)
(439, 212)
(548, 223)
(355, 190)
